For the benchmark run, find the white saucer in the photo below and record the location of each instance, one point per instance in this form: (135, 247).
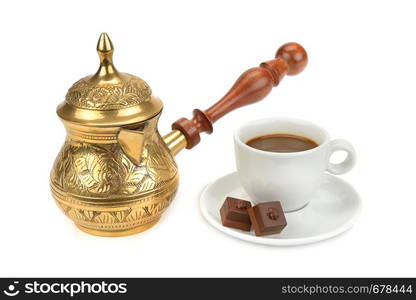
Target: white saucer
(333, 211)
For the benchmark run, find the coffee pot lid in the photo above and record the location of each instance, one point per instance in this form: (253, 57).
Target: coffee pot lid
(109, 97)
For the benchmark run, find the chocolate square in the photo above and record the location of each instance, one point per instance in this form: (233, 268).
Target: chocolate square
(234, 214)
(267, 218)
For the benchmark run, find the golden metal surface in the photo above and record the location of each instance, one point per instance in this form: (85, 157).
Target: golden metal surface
(109, 97)
(131, 141)
(119, 233)
(176, 141)
(114, 175)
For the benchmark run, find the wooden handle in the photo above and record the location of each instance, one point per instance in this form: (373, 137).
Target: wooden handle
(252, 86)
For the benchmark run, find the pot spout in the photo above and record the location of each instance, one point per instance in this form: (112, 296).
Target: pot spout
(175, 141)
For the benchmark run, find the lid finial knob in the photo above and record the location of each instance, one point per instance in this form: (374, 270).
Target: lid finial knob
(105, 51)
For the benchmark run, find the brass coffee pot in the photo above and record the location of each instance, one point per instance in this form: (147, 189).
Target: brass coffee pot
(115, 175)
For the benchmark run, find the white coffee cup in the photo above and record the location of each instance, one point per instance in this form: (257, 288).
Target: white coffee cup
(291, 178)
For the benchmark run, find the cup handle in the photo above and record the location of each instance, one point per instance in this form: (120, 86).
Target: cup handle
(348, 163)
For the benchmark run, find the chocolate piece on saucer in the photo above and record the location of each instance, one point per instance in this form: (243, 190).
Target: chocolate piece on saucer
(234, 214)
(267, 218)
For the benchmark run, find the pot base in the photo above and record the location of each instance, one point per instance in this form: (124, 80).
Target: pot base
(130, 231)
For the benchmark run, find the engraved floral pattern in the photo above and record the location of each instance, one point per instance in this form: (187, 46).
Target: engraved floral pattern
(103, 170)
(85, 171)
(129, 93)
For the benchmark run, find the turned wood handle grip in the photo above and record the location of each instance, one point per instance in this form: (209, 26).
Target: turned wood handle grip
(252, 86)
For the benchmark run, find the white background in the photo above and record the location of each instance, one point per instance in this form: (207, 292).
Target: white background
(359, 85)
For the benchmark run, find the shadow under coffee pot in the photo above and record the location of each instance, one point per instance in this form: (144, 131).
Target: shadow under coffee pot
(115, 174)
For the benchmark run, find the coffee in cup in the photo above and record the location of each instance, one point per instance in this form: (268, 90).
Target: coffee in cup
(282, 143)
